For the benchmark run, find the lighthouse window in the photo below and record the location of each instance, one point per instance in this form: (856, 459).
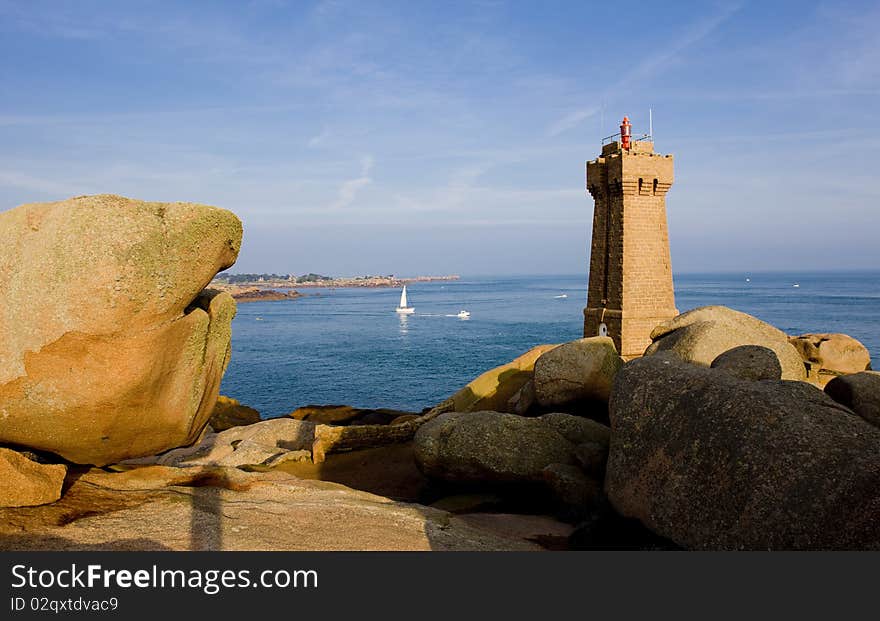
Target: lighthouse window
(655, 187)
(640, 185)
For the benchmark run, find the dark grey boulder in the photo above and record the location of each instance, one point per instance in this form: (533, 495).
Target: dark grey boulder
(860, 392)
(489, 446)
(750, 362)
(714, 462)
(592, 457)
(580, 370)
(577, 429)
(571, 486)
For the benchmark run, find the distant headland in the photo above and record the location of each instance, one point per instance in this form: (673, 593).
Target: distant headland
(265, 287)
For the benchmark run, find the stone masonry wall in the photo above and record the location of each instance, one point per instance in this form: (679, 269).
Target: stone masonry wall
(630, 286)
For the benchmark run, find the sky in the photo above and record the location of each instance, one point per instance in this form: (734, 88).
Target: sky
(412, 138)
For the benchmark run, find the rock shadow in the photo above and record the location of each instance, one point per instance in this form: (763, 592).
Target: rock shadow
(34, 542)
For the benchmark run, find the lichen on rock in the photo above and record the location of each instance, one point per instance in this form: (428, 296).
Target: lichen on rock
(109, 347)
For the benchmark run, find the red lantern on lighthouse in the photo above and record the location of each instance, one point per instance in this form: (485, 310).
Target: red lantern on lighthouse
(625, 133)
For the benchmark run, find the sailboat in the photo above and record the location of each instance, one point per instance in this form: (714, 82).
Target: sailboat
(402, 308)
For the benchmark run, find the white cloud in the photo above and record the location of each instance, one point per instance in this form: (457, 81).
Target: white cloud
(571, 120)
(349, 189)
(318, 140)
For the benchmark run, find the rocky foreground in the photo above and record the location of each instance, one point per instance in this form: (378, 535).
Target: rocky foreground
(727, 434)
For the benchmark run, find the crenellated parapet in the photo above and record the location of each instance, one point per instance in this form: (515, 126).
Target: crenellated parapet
(638, 171)
(597, 178)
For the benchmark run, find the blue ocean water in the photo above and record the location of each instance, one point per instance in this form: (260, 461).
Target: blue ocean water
(348, 346)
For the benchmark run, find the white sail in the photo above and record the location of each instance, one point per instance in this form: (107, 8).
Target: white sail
(403, 309)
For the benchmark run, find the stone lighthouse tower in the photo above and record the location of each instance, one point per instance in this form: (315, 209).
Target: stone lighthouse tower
(630, 289)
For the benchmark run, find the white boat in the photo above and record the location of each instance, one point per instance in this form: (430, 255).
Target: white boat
(795, 285)
(463, 314)
(402, 308)
(559, 297)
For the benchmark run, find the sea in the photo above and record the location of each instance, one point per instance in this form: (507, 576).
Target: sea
(348, 346)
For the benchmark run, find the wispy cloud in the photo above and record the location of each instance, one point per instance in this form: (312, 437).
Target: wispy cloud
(326, 10)
(571, 120)
(649, 67)
(192, 35)
(478, 202)
(319, 139)
(695, 33)
(852, 61)
(456, 194)
(42, 186)
(462, 194)
(349, 189)
(48, 23)
(477, 116)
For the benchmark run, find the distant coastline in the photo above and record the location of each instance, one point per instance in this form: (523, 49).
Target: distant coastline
(370, 281)
(274, 287)
(289, 281)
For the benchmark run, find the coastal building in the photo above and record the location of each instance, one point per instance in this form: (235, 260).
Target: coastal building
(630, 287)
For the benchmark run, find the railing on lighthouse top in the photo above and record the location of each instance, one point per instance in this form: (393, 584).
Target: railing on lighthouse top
(624, 136)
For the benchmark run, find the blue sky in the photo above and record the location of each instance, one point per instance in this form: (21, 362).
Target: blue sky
(415, 137)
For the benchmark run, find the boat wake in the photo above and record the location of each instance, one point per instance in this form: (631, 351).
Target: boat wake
(458, 316)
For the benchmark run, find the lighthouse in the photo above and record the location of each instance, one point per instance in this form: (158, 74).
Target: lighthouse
(630, 284)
